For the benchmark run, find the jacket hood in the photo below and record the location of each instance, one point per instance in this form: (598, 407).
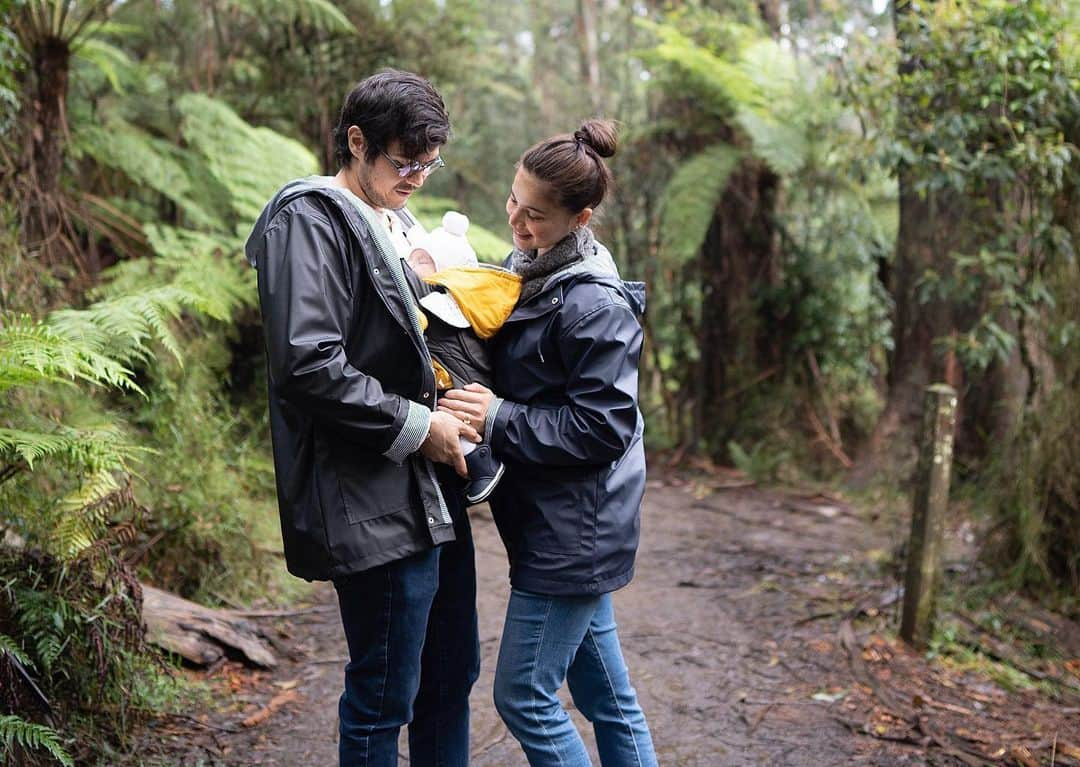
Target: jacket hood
(597, 265)
(312, 184)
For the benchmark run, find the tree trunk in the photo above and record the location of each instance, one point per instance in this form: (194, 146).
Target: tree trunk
(589, 49)
(770, 14)
(922, 244)
(44, 123)
(738, 258)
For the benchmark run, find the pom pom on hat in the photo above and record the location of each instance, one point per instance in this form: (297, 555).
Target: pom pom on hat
(455, 223)
(447, 245)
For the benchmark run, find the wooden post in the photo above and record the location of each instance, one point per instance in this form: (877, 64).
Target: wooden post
(928, 514)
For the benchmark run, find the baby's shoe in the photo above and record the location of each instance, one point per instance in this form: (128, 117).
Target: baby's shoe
(485, 471)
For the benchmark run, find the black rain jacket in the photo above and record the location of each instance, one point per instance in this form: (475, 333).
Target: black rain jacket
(348, 377)
(570, 431)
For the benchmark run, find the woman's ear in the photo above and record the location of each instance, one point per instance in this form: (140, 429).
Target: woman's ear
(582, 218)
(357, 145)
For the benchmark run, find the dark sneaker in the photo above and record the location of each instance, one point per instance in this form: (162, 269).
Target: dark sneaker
(485, 471)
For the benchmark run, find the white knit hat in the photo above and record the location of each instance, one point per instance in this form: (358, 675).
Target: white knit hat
(447, 245)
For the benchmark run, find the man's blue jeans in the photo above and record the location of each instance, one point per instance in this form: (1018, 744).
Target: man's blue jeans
(546, 640)
(414, 655)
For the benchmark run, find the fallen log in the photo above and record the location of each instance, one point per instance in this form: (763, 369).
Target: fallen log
(200, 634)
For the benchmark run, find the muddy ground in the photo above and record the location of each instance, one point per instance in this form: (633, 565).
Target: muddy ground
(759, 630)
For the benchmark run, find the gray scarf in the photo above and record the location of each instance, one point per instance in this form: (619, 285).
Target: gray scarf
(536, 270)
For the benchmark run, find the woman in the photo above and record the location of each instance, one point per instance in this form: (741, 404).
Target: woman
(570, 434)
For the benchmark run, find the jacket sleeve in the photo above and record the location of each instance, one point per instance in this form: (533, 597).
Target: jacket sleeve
(600, 351)
(307, 306)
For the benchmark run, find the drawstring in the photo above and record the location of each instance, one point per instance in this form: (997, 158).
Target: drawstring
(543, 335)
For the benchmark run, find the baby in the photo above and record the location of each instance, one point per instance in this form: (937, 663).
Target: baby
(463, 304)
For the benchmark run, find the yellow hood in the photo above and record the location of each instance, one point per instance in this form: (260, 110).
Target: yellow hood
(486, 295)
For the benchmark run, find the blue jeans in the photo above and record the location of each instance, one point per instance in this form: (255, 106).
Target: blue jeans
(546, 640)
(414, 654)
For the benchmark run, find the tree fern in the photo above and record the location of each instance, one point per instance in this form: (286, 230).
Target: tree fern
(31, 737)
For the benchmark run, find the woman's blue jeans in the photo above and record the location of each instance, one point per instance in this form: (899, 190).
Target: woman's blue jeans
(414, 655)
(550, 639)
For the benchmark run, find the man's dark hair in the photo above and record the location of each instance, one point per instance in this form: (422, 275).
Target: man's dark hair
(393, 105)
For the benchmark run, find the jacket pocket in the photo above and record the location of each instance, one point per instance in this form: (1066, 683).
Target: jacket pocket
(363, 485)
(562, 510)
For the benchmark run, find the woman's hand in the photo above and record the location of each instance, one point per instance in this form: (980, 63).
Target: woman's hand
(469, 405)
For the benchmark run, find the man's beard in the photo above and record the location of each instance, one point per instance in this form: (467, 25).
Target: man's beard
(363, 180)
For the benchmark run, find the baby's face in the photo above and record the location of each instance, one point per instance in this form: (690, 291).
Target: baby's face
(421, 262)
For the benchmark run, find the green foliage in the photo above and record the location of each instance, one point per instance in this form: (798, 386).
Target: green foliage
(31, 737)
(316, 14)
(754, 107)
(689, 201)
(77, 626)
(762, 463)
(152, 163)
(113, 62)
(9, 64)
(723, 86)
(32, 352)
(984, 116)
(249, 163)
(987, 113)
(1032, 484)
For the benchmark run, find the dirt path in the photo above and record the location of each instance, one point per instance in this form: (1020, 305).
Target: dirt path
(733, 630)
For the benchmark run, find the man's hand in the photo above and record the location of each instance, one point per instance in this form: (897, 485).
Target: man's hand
(442, 445)
(469, 405)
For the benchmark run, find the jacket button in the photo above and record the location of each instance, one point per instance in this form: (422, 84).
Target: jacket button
(431, 520)
(427, 394)
(376, 271)
(555, 300)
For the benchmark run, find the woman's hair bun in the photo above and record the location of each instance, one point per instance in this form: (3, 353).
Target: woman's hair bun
(598, 134)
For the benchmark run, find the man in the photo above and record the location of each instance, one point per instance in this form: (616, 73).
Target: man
(364, 464)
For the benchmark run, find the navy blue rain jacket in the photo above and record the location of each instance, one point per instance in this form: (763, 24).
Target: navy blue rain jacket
(570, 431)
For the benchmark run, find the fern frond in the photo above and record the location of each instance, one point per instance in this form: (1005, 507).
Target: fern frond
(32, 737)
(127, 326)
(782, 144)
(32, 351)
(9, 646)
(250, 163)
(721, 86)
(778, 115)
(117, 67)
(690, 200)
(149, 162)
(93, 448)
(209, 267)
(317, 14)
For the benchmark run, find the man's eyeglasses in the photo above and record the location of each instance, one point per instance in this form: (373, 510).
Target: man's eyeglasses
(406, 169)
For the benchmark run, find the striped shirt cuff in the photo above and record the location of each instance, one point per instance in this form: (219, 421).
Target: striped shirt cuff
(412, 434)
(489, 419)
